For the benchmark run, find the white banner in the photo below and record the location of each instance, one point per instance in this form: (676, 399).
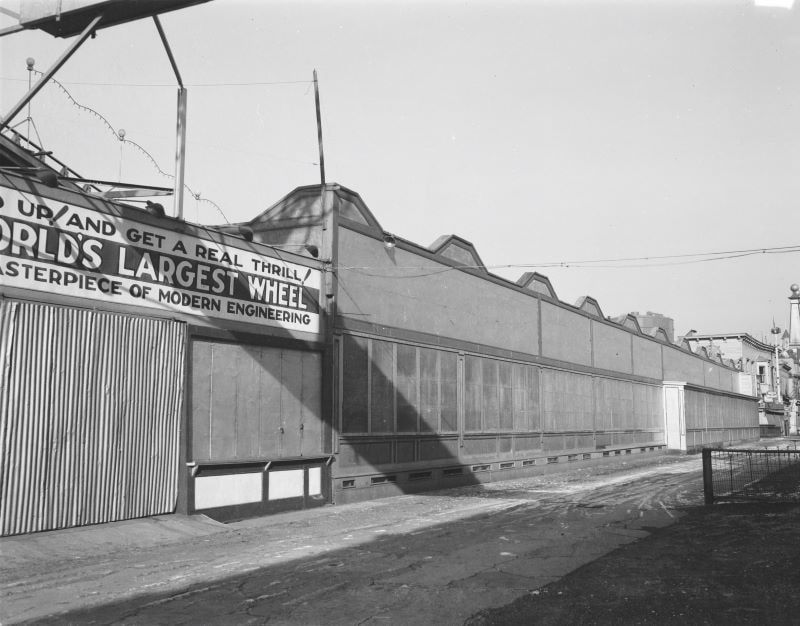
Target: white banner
(58, 248)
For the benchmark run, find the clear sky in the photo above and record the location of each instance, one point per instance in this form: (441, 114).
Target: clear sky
(543, 132)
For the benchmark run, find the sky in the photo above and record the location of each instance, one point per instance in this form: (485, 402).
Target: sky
(547, 133)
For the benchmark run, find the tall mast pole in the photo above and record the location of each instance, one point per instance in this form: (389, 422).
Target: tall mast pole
(319, 131)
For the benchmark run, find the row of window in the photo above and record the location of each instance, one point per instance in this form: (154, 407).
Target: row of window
(397, 388)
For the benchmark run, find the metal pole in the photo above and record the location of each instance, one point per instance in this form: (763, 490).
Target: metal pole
(180, 154)
(708, 480)
(180, 148)
(319, 131)
(51, 72)
(775, 332)
(163, 36)
(30, 63)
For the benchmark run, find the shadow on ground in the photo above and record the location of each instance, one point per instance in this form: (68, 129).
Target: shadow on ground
(721, 564)
(409, 560)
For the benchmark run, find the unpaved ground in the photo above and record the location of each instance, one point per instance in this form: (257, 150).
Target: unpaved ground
(722, 564)
(435, 558)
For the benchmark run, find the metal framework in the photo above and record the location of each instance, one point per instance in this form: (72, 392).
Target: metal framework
(770, 475)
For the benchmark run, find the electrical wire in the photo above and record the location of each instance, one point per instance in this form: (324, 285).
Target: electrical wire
(79, 105)
(586, 264)
(132, 143)
(163, 85)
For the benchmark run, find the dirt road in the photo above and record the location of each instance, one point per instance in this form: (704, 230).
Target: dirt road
(434, 558)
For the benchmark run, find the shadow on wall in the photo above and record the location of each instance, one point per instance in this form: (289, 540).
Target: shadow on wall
(399, 406)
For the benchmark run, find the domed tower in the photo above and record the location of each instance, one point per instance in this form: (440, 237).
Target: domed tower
(794, 318)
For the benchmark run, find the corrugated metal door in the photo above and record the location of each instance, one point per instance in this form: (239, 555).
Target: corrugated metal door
(90, 406)
(254, 402)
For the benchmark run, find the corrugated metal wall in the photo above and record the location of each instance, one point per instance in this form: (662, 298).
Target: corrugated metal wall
(90, 407)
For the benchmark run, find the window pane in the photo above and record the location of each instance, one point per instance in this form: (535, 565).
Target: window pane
(534, 409)
(429, 389)
(354, 385)
(448, 364)
(491, 397)
(407, 407)
(382, 405)
(505, 393)
(521, 398)
(473, 394)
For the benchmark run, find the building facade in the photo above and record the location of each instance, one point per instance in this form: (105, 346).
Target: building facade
(768, 374)
(150, 366)
(445, 374)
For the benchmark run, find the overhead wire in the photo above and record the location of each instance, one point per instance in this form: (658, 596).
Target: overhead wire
(124, 140)
(164, 85)
(425, 271)
(585, 264)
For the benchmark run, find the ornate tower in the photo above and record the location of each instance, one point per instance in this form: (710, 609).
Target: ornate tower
(794, 318)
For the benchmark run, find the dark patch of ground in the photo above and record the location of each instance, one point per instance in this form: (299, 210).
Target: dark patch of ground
(735, 563)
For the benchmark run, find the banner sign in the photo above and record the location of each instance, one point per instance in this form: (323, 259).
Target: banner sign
(59, 248)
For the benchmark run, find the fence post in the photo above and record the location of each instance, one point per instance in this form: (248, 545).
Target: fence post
(708, 482)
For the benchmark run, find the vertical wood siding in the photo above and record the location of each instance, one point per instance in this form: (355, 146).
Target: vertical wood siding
(254, 402)
(89, 416)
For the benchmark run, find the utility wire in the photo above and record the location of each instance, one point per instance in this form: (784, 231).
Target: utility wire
(195, 195)
(244, 84)
(677, 256)
(79, 105)
(587, 264)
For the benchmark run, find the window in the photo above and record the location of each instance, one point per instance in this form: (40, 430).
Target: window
(393, 387)
(355, 385)
(500, 395)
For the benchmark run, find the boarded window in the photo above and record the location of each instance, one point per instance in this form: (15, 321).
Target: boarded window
(253, 402)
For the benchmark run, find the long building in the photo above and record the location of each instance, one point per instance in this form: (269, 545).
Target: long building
(307, 357)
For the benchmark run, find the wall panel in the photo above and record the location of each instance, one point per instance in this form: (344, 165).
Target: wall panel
(647, 358)
(682, 366)
(258, 402)
(612, 348)
(565, 335)
(409, 291)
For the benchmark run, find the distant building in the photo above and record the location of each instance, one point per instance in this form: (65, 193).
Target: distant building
(651, 321)
(756, 359)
